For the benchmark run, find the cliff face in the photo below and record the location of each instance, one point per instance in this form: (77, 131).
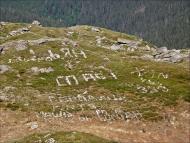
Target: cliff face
(91, 80)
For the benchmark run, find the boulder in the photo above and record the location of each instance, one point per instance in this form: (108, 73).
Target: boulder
(176, 58)
(18, 45)
(129, 43)
(38, 41)
(19, 31)
(123, 41)
(162, 50)
(147, 57)
(95, 29)
(116, 47)
(42, 41)
(37, 23)
(21, 45)
(4, 68)
(37, 70)
(3, 23)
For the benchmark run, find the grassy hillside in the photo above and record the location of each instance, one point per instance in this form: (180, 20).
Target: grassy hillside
(164, 23)
(82, 73)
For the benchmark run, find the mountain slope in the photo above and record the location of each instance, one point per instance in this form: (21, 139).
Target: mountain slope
(91, 80)
(164, 23)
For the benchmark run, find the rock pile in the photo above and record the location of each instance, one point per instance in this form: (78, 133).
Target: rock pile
(132, 45)
(163, 54)
(19, 31)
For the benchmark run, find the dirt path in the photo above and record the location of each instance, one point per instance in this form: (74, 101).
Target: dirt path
(176, 129)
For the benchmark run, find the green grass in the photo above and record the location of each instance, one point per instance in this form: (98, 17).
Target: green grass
(178, 81)
(64, 137)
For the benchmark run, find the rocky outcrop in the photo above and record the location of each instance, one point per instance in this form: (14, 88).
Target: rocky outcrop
(133, 45)
(174, 56)
(129, 43)
(19, 31)
(18, 45)
(164, 55)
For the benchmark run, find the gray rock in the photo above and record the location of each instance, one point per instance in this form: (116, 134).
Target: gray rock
(38, 41)
(18, 45)
(19, 31)
(21, 45)
(37, 70)
(130, 43)
(176, 51)
(147, 57)
(3, 23)
(123, 41)
(3, 98)
(146, 48)
(42, 41)
(35, 22)
(95, 29)
(176, 58)
(116, 47)
(4, 68)
(162, 50)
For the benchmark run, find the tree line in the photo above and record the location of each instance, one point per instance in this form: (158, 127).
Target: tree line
(161, 22)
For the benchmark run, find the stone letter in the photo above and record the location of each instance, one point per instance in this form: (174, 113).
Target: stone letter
(81, 53)
(113, 75)
(99, 76)
(67, 52)
(88, 77)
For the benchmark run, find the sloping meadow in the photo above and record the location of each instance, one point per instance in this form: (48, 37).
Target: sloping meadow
(82, 73)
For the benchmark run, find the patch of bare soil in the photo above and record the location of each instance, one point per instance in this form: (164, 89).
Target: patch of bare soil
(175, 128)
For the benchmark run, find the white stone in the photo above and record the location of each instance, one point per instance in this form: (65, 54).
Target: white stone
(35, 22)
(33, 125)
(88, 77)
(32, 52)
(4, 68)
(81, 53)
(66, 79)
(162, 50)
(95, 29)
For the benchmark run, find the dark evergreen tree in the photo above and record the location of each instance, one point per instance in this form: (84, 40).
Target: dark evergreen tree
(162, 22)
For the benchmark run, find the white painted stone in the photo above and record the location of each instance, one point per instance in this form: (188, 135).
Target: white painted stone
(88, 77)
(67, 80)
(100, 76)
(113, 75)
(67, 52)
(32, 52)
(52, 55)
(50, 140)
(81, 53)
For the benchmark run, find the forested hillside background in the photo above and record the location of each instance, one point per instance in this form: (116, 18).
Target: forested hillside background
(162, 22)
